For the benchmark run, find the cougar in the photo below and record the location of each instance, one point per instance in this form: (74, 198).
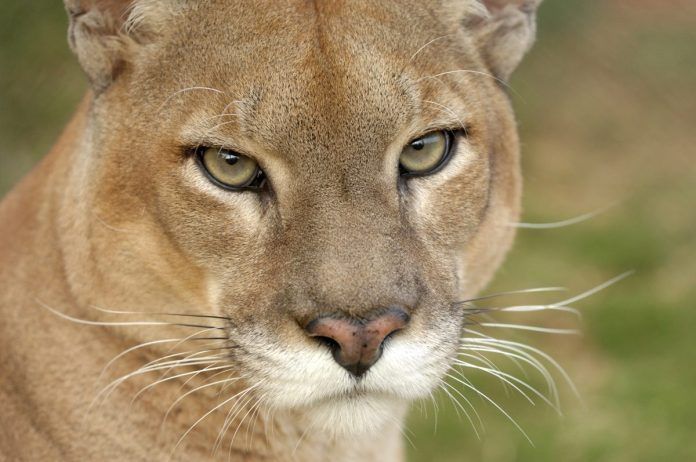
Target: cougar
(256, 233)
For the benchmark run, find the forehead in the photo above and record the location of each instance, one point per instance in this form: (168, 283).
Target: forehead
(313, 70)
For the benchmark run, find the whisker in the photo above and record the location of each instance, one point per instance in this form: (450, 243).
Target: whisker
(520, 348)
(133, 348)
(597, 288)
(186, 315)
(206, 415)
(481, 358)
(111, 387)
(544, 330)
(173, 377)
(184, 90)
(509, 378)
(254, 419)
(413, 56)
(448, 110)
(155, 342)
(182, 397)
(512, 292)
(443, 386)
(533, 308)
(527, 358)
(496, 405)
(193, 357)
(471, 71)
(234, 410)
(566, 222)
(489, 371)
(241, 421)
(403, 430)
(124, 323)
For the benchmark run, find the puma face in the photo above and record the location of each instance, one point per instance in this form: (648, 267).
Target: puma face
(331, 178)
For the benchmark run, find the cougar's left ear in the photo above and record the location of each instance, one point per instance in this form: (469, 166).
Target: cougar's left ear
(504, 34)
(103, 34)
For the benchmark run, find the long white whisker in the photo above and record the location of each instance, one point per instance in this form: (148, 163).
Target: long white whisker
(234, 410)
(448, 110)
(519, 348)
(241, 422)
(174, 377)
(597, 288)
(111, 387)
(509, 378)
(443, 386)
(481, 358)
(146, 344)
(204, 416)
(566, 222)
(180, 398)
(160, 313)
(484, 396)
(133, 348)
(459, 362)
(545, 330)
(413, 56)
(525, 357)
(471, 71)
(533, 308)
(184, 90)
(514, 292)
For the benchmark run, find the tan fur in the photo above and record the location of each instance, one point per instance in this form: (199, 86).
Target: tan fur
(324, 94)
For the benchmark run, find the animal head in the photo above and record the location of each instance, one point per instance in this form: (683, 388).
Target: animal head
(329, 178)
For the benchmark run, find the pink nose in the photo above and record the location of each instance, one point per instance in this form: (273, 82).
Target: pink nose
(357, 343)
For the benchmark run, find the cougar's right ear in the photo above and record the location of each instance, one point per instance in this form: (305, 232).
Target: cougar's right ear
(95, 36)
(504, 33)
(104, 34)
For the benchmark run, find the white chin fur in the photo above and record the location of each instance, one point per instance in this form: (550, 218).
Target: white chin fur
(354, 416)
(310, 381)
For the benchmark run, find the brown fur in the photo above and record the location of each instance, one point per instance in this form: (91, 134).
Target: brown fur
(117, 216)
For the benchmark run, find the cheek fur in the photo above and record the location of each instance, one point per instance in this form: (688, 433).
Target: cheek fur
(448, 207)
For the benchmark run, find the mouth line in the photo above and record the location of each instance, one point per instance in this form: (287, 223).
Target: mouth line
(355, 393)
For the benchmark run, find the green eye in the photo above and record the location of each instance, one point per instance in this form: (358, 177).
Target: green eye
(229, 169)
(426, 154)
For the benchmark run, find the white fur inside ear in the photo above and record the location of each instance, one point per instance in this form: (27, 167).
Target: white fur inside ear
(105, 34)
(505, 34)
(150, 16)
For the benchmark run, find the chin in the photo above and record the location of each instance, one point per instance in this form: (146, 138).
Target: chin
(312, 384)
(356, 415)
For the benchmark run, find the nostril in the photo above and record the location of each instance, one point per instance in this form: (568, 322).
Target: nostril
(329, 342)
(357, 344)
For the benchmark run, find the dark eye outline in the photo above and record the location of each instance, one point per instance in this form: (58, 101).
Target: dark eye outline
(255, 184)
(450, 145)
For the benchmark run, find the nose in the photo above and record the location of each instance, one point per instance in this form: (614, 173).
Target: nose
(357, 343)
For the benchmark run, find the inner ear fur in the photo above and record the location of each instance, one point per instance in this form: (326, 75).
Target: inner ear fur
(504, 34)
(103, 34)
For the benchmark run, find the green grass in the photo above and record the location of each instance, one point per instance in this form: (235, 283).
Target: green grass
(607, 109)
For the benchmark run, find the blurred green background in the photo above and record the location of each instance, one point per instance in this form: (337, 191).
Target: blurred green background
(607, 111)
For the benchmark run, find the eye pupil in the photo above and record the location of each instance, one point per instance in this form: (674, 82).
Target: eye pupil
(425, 155)
(230, 159)
(229, 169)
(418, 144)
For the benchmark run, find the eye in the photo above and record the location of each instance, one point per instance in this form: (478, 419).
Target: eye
(229, 169)
(427, 154)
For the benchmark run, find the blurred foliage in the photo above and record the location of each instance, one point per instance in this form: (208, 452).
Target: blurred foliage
(607, 108)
